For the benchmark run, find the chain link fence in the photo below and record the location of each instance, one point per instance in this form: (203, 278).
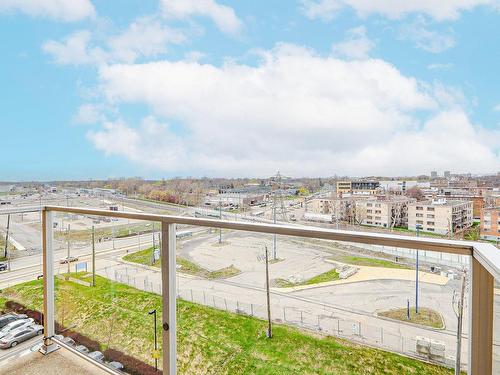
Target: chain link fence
(328, 322)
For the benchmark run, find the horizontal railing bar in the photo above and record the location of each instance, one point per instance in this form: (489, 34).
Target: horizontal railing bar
(20, 210)
(85, 357)
(438, 245)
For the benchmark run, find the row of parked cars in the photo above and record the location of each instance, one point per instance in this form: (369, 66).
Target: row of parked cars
(17, 328)
(95, 355)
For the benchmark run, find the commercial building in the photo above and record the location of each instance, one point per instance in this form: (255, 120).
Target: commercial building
(357, 186)
(440, 216)
(490, 223)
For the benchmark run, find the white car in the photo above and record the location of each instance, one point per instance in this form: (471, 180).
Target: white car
(14, 325)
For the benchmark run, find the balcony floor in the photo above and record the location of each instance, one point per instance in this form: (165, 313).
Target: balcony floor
(60, 362)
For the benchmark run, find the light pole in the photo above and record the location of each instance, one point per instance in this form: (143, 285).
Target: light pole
(153, 312)
(418, 226)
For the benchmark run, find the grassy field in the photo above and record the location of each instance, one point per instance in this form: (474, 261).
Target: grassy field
(371, 262)
(321, 278)
(191, 268)
(210, 341)
(425, 316)
(119, 232)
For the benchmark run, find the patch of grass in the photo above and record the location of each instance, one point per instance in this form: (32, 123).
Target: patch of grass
(209, 341)
(370, 262)
(191, 268)
(120, 231)
(425, 316)
(324, 277)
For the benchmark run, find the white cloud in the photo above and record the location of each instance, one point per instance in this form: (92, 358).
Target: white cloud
(497, 108)
(151, 144)
(439, 10)
(75, 50)
(224, 16)
(63, 10)
(145, 37)
(89, 114)
(440, 66)
(294, 111)
(425, 39)
(356, 46)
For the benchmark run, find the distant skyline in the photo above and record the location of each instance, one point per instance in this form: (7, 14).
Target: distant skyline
(94, 89)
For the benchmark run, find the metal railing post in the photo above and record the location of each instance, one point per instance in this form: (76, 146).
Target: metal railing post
(48, 283)
(480, 320)
(168, 270)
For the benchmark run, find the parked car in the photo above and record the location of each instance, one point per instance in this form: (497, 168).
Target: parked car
(115, 365)
(8, 318)
(67, 260)
(15, 325)
(97, 356)
(82, 349)
(19, 335)
(3, 266)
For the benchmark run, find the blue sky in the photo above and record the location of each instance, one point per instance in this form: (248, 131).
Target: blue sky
(102, 89)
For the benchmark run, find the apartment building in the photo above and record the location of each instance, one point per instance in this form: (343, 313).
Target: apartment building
(386, 213)
(440, 216)
(490, 223)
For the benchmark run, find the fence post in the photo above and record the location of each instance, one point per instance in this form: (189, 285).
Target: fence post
(381, 335)
(192, 300)
(48, 283)
(225, 303)
(284, 314)
(251, 309)
(213, 300)
(204, 298)
(168, 270)
(480, 320)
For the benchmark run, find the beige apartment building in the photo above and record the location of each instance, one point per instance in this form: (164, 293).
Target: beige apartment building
(440, 216)
(385, 213)
(490, 223)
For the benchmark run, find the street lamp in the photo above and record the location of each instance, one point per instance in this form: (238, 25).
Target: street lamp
(153, 312)
(418, 226)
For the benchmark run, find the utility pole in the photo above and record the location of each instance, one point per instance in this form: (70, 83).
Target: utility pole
(69, 228)
(93, 256)
(7, 236)
(270, 328)
(459, 312)
(416, 274)
(220, 218)
(274, 235)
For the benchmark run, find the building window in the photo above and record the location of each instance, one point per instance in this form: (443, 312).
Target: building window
(369, 217)
(420, 222)
(368, 204)
(369, 211)
(377, 205)
(430, 208)
(369, 222)
(378, 211)
(430, 229)
(429, 216)
(420, 215)
(420, 208)
(430, 223)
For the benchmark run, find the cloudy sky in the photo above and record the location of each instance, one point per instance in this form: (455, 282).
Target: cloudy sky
(162, 88)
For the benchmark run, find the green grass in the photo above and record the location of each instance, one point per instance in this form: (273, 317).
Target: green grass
(425, 316)
(191, 268)
(210, 341)
(371, 262)
(120, 231)
(324, 277)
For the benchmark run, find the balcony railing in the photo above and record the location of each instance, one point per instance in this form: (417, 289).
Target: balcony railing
(484, 264)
